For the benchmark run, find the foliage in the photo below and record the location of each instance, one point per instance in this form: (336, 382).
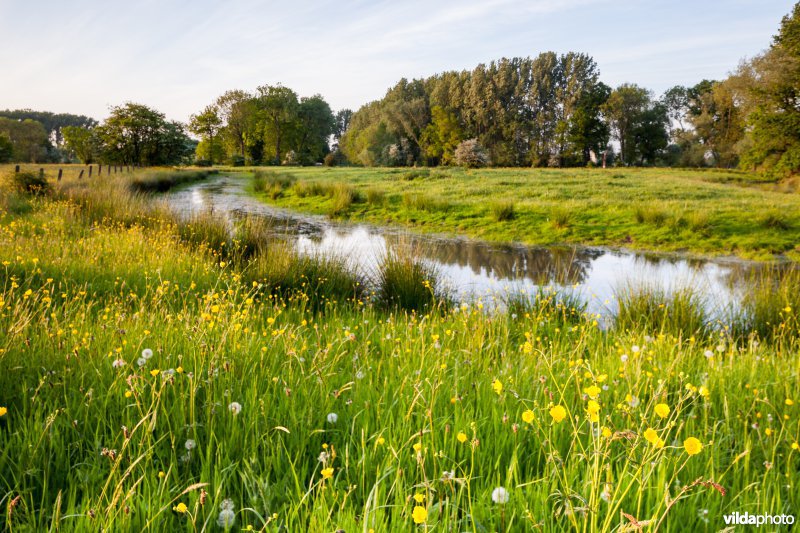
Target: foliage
(471, 154)
(134, 134)
(207, 126)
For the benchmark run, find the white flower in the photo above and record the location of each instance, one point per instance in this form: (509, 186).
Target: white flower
(721, 348)
(118, 363)
(634, 401)
(147, 353)
(227, 504)
(332, 418)
(168, 373)
(323, 457)
(235, 408)
(359, 375)
(500, 495)
(623, 358)
(709, 354)
(141, 361)
(648, 338)
(190, 444)
(635, 349)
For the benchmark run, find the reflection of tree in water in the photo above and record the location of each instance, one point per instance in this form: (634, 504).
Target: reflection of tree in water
(563, 266)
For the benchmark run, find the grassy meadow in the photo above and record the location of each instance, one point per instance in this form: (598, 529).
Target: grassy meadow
(709, 212)
(161, 374)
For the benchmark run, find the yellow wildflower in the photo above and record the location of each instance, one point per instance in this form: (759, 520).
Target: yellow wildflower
(180, 508)
(497, 386)
(461, 437)
(327, 473)
(558, 413)
(662, 410)
(652, 437)
(528, 416)
(593, 391)
(419, 514)
(692, 446)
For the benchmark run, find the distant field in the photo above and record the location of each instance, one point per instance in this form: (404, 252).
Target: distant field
(704, 212)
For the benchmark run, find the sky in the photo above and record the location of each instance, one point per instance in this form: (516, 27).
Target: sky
(83, 56)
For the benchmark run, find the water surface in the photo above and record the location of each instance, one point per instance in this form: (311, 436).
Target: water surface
(474, 271)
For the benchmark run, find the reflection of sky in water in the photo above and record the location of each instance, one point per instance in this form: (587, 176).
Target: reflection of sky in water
(474, 270)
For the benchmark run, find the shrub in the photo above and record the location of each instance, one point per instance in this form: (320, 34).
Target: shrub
(202, 163)
(334, 159)
(471, 154)
(29, 182)
(237, 161)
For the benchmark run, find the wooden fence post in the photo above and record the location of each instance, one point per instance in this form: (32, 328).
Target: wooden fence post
(90, 171)
(80, 176)
(60, 171)
(99, 168)
(108, 171)
(16, 169)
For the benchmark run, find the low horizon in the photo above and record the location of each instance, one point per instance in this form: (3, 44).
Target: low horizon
(341, 51)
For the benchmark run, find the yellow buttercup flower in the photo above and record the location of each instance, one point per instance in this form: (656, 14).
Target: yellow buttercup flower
(592, 391)
(419, 514)
(154, 372)
(419, 498)
(662, 410)
(692, 446)
(497, 386)
(558, 413)
(461, 437)
(3, 411)
(327, 473)
(651, 435)
(528, 416)
(417, 447)
(606, 432)
(380, 441)
(789, 402)
(180, 508)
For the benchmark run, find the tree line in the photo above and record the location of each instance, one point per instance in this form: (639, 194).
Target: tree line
(553, 110)
(547, 111)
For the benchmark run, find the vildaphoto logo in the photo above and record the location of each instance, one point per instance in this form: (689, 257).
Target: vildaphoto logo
(747, 519)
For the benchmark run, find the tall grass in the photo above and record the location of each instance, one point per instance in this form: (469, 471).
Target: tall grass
(769, 310)
(503, 211)
(681, 312)
(405, 282)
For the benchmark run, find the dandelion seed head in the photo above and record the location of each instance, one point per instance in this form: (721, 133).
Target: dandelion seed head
(500, 496)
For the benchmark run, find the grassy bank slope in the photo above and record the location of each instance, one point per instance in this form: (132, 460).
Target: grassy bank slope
(705, 212)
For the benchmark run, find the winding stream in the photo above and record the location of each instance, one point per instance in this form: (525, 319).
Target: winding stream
(475, 271)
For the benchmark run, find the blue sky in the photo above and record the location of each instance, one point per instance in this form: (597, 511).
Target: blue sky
(82, 56)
